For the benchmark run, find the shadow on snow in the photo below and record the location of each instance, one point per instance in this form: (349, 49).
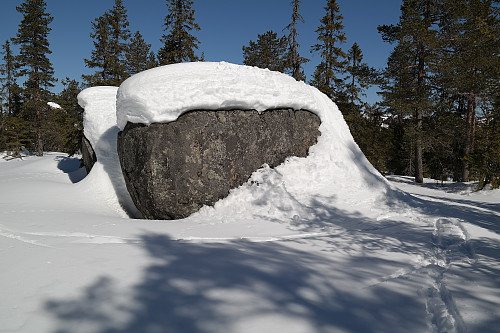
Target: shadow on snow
(72, 167)
(216, 287)
(331, 283)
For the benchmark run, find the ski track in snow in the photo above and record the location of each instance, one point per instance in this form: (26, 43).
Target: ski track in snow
(17, 236)
(81, 237)
(450, 244)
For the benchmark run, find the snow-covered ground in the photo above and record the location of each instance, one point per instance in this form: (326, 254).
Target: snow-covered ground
(318, 244)
(425, 262)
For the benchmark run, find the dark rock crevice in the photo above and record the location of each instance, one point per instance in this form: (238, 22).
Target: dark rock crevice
(88, 154)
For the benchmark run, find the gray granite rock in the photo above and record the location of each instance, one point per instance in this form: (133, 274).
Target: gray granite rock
(173, 169)
(88, 154)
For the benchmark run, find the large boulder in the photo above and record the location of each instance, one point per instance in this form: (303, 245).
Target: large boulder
(172, 169)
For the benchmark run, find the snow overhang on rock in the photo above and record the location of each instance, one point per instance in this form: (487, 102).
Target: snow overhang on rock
(162, 94)
(99, 116)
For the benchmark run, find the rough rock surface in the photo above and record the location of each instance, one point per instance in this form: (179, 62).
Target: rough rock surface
(173, 169)
(88, 154)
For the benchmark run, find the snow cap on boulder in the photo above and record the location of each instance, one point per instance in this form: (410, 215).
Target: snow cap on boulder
(99, 116)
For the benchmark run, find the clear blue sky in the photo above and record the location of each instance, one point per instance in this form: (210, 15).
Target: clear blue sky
(226, 25)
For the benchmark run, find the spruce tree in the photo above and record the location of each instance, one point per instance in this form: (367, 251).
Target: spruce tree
(328, 74)
(10, 91)
(408, 89)
(359, 76)
(10, 103)
(34, 63)
(110, 33)
(294, 60)
(268, 52)
(139, 55)
(179, 44)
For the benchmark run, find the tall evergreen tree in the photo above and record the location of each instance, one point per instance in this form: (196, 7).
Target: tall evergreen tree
(328, 74)
(409, 87)
(268, 52)
(294, 60)
(469, 64)
(359, 76)
(484, 161)
(179, 44)
(139, 55)
(364, 126)
(34, 63)
(110, 33)
(9, 89)
(12, 125)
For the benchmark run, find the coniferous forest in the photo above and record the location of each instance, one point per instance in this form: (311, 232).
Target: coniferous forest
(439, 110)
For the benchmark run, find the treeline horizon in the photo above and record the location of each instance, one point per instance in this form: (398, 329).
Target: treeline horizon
(438, 114)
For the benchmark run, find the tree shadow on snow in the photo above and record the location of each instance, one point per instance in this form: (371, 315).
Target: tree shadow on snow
(330, 283)
(226, 286)
(324, 284)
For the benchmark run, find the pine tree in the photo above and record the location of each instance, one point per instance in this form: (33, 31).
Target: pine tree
(110, 33)
(484, 161)
(408, 89)
(328, 74)
(179, 44)
(268, 52)
(294, 60)
(139, 55)
(469, 61)
(33, 62)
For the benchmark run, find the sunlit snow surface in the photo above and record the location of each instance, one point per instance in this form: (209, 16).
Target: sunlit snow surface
(319, 244)
(422, 263)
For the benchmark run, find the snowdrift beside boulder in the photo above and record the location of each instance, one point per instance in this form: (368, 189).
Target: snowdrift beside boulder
(105, 179)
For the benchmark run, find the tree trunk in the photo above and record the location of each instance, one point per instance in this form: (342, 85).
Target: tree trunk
(419, 169)
(38, 117)
(471, 131)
